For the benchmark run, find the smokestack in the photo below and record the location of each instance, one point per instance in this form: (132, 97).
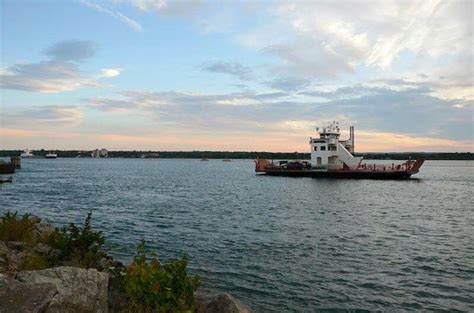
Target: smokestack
(352, 139)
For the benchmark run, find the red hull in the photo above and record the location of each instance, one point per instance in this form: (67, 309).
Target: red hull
(402, 171)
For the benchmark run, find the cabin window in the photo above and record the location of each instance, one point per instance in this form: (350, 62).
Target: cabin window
(315, 148)
(323, 148)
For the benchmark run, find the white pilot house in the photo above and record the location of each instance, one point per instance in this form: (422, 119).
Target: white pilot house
(328, 151)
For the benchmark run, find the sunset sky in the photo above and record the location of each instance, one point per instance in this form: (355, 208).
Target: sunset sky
(229, 75)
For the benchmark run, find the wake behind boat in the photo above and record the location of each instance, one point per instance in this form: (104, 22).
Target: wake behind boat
(333, 158)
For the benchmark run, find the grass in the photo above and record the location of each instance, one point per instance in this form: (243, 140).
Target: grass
(18, 228)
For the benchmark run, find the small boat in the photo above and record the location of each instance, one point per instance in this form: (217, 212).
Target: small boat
(8, 180)
(27, 154)
(51, 155)
(227, 160)
(204, 160)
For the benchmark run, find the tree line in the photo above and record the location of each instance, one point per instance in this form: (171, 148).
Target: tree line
(243, 155)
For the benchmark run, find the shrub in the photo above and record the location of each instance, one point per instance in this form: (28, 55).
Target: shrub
(78, 246)
(35, 262)
(155, 287)
(15, 228)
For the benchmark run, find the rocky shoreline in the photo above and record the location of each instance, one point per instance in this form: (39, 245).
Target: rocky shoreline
(68, 288)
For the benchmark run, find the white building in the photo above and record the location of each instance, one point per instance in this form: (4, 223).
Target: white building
(329, 151)
(102, 153)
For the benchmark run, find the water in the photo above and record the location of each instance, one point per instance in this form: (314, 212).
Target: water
(278, 244)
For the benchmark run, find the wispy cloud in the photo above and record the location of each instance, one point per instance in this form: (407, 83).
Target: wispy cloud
(114, 13)
(59, 74)
(71, 50)
(46, 115)
(231, 68)
(171, 8)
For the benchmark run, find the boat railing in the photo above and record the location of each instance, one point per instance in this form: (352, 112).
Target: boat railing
(408, 166)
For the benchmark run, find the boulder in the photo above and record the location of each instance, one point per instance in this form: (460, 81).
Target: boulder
(3, 247)
(17, 245)
(17, 297)
(79, 290)
(35, 219)
(42, 248)
(3, 256)
(12, 261)
(44, 229)
(224, 303)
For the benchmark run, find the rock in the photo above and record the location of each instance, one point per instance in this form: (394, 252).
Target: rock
(3, 256)
(224, 303)
(79, 290)
(3, 280)
(54, 253)
(44, 229)
(3, 248)
(109, 264)
(13, 261)
(16, 245)
(35, 219)
(17, 297)
(42, 248)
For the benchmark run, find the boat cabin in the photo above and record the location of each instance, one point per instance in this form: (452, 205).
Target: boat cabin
(328, 151)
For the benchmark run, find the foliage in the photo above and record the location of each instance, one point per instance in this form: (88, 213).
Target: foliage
(155, 287)
(15, 228)
(35, 262)
(244, 155)
(78, 246)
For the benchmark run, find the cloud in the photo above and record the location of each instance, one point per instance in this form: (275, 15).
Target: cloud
(288, 83)
(71, 50)
(367, 141)
(231, 68)
(59, 74)
(110, 72)
(321, 40)
(47, 115)
(171, 8)
(396, 107)
(114, 13)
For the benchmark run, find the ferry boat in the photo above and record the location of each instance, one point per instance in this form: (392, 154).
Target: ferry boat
(333, 158)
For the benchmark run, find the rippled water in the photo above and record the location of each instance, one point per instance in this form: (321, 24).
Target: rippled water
(278, 244)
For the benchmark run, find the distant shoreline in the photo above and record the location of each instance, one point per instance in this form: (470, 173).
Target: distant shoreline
(243, 154)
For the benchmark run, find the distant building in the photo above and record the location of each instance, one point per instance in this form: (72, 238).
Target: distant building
(102, 153)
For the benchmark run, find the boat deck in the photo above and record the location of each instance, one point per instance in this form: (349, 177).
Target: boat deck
(363, 171)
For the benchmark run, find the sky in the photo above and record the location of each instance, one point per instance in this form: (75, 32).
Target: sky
(236, 75)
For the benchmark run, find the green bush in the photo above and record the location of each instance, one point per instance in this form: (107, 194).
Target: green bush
(35, 262)
(15, 228)
(155, 287)
(78, 246)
